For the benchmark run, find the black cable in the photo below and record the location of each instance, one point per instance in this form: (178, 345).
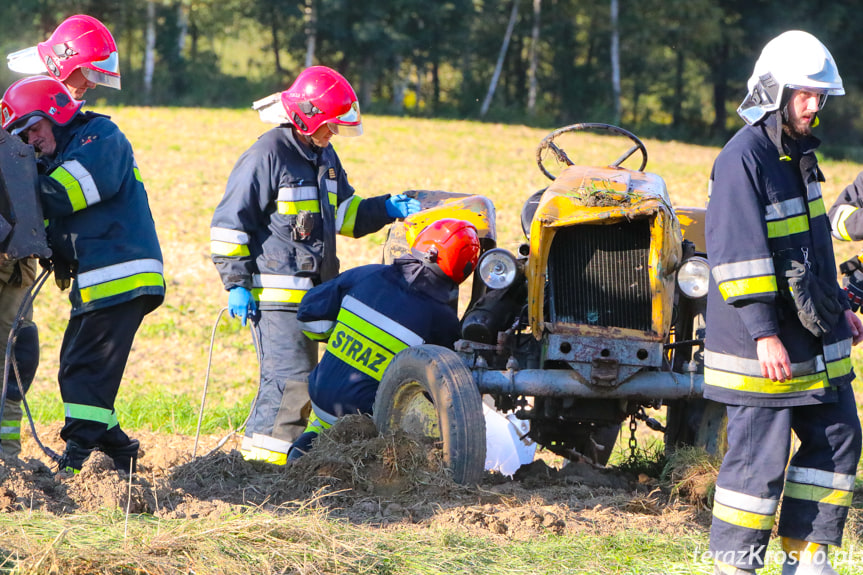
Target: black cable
(9, 358)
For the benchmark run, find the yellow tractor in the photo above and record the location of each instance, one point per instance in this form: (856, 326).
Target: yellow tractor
(597, 316)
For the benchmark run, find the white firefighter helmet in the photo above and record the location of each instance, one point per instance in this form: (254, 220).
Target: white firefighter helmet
(796, 60)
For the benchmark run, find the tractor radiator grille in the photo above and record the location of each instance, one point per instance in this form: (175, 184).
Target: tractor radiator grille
(599, 275)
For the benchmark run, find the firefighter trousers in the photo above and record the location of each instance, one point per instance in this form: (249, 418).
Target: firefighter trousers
(815, 487)
(287, 358)
(15, 279)
(93, 357)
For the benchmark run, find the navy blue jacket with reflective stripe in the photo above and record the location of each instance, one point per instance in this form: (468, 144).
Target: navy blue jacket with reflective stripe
(99, 216)
(363, 302)
(846, 217)
(759, 208)
(253, 231)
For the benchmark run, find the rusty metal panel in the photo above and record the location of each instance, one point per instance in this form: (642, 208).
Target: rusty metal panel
(22, 227)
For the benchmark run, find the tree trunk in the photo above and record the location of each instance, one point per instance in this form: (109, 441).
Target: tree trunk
(435, 86)
(534, 49)
(182, 29)
(497, 68)
(274, 30)
(310, 19)
(720, 90)
(615, 61)
(399, 87)
(677, 112)
(150, 51)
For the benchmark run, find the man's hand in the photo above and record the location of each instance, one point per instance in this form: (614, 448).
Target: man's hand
(856, 326)
(401, 206)
(241, 304)
(773, 357)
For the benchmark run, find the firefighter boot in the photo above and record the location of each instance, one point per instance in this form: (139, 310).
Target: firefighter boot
(10, 428)
(73, 458)
(125, 457)
(720, 568)
(805, 558)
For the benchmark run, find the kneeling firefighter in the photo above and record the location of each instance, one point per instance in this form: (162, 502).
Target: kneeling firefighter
(372, 312)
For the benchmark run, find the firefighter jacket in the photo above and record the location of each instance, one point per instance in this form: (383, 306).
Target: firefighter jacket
(99, 221)
(370, 313)
(765, 204)
(846, 217)
(274, 232)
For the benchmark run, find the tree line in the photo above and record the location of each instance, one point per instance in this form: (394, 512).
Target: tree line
(665, 68)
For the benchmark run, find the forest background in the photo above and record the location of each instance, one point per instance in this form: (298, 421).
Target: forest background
(669, 69)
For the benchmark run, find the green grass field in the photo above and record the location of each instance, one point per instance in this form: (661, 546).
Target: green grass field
(185, 156)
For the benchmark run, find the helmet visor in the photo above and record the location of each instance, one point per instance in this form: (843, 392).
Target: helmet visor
(349, 124)
(22, 125)
(822, 93)
(101, 78)
(26, 61)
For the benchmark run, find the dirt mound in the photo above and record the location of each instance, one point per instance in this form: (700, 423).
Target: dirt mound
(353, 473)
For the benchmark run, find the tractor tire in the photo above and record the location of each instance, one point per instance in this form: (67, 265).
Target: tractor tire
(428, 391)
(699, 423)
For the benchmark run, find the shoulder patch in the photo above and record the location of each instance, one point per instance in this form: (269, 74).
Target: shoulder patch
(332, 173)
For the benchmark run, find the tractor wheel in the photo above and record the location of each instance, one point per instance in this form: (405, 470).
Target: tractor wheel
(697, 422)
(428, 391)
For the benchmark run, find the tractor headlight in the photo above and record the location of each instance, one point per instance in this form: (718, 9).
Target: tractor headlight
(497, 268)
(693, 277)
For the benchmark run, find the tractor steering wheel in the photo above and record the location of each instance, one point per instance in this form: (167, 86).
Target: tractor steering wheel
(548, 144)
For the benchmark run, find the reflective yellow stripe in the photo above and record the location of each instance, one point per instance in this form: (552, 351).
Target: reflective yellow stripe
(72, 187)
(743, 518)
(346, 216)
(278, 295)
(839, 368)
(748, 286)
(316, 424)
(228, 249)
(818, 494)
(10, 429)
(122, 285)
(293, 208)
(370, 331)
(138, 174)
(334, 198)
(749, 383)
(795, 225)
(91, 413)
(265, 455)
(842, 213)
(816, 208)
(360, 352)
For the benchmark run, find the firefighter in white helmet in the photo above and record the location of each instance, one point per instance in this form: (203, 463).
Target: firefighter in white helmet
(779, 328)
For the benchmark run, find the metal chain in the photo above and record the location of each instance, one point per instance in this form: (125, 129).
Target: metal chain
(633, 443)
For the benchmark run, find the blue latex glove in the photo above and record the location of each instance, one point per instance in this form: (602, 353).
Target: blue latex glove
(401, 206)
(240, 303)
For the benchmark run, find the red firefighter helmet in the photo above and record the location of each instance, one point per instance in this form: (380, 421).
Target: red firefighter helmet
(29, 99)
(79, 41)
(320, 95)
(451, 244)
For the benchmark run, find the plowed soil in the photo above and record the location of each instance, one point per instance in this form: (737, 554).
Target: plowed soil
(357, 475)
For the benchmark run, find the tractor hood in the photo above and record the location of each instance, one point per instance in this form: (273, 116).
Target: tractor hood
(598, 197)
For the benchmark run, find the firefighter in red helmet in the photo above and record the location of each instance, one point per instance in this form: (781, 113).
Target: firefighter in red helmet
(99, 224)
(81, 53)
(372, 312)
(273, 238)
